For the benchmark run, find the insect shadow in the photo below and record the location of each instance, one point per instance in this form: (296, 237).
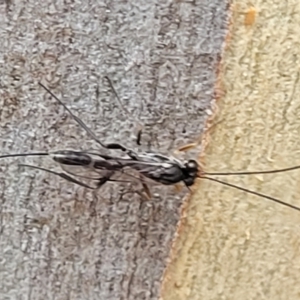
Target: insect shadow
(86, 167)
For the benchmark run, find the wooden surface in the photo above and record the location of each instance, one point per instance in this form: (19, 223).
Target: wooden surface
(60, 241)
(231, 245)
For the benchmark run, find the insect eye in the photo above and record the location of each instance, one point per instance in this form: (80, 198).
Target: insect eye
(192, 166)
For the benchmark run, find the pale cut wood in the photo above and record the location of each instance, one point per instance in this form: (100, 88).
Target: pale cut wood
(231, 245)
(61, 241)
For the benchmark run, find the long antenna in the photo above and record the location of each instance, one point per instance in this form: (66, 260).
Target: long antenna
(253, 172)
(253, 192)
(117, 96)
(78, 120)
(82, 124)
(24, 154)
(140, 127)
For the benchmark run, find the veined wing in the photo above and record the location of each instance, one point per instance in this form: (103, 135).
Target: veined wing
(166, 172)
(95, 178)
(93, 168)
(153, 157)
(86, 172)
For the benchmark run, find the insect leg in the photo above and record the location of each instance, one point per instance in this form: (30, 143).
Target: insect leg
(101, 182)
(187, 147)
(60, 174)
(139, 137)
(106, 178)
(116, 95)
(143, 195)
(146, 190)
(114, 146)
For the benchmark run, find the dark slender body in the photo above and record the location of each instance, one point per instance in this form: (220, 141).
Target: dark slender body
(102, 168)
(159, 168)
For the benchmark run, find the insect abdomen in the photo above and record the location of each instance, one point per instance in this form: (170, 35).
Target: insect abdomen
(71, 158)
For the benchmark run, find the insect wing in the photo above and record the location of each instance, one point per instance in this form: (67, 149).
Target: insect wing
(167, 173)
(85, 172)
(91, 168)
(100, 169)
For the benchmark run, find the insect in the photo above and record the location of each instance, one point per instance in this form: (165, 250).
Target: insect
(94, 167)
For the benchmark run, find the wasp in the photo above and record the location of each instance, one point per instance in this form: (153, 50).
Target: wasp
(97, 168)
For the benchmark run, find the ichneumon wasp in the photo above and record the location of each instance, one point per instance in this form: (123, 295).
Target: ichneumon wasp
(99, 169)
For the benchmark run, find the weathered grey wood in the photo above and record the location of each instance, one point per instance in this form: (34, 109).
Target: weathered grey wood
(59, 241)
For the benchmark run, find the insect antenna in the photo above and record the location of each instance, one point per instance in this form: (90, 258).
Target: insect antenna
(125, 110)
(253, 172)
(252, 192)
(82, 124)
(24, 154)
(117, 96)
(78, 120)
